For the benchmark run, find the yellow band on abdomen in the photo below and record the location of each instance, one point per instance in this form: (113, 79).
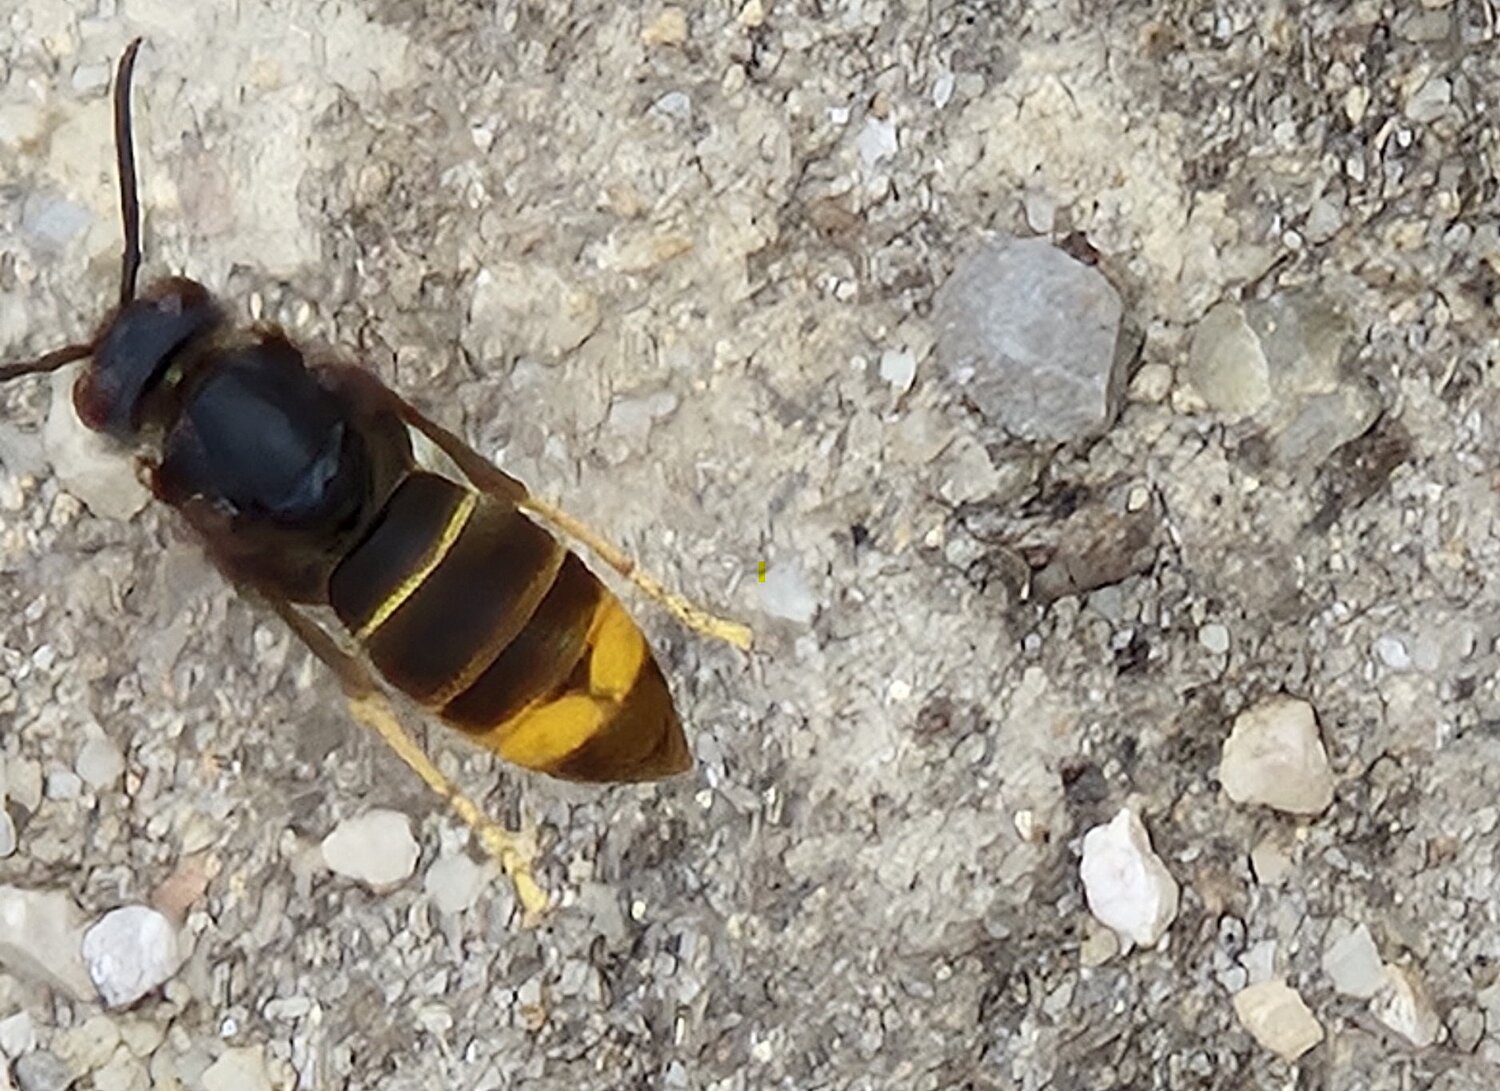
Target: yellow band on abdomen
(408, 587)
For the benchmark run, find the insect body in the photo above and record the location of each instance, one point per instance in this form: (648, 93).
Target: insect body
(303, 484)
(312, 485)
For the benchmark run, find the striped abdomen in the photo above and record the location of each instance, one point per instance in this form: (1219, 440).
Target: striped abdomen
(479, 614)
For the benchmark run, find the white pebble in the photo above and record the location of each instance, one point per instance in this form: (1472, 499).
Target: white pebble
(942, 89)
(1215, 638)
(1353, 964)
(785, 593)
(1274, 758)
(1391, 650)
(1277, 1018)
(7, 833)
(375, 848)
(453, 883)
(130, 951)
(876, 141)
(1128, 887)
(63, 784)
(899, 369)
(99, 762)
(1403, 1005)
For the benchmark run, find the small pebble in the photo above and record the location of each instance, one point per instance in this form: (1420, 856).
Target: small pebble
(1431, 100)
(130, 952)
(876, 142)
(100, 762)
(42, 1071)
(1391, 650)
(670, 27)
(1215, 638)
(899, 369)
(1100, 944)
(7, 833)
(1277, 1018)
(1352, 963)
(785, 593)
(1467, 1027)
(453, 883)
(1402, 1004)
(63, 784)
(1271, 861)
(239, 1069)
(375, 848)
(1152, 383)
(1274, 758)
(1225, 363)
(1128, 887)
(942, 89)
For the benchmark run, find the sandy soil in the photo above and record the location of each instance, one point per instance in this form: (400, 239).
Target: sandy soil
(654, 266)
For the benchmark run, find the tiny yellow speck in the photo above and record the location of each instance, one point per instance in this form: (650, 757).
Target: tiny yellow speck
(762, 574)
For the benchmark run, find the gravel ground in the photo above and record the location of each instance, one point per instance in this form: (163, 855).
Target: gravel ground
(676, 268)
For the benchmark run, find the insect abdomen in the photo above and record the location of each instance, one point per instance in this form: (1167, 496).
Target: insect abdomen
(472, 609)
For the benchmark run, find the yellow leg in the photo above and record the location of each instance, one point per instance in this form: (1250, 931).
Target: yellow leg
(487, 476)
(370, 707)
(695, 618)
(510, 851)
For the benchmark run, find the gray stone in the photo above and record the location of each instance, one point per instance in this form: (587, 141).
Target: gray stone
(42, 1071)
(1030, 337)
(786, 593)
(1317, 405)
(99, 761)
(1226, 364)
(1352, 963)
(1430, 101)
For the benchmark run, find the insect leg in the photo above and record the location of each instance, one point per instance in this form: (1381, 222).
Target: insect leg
(495, 481)
(369, 706)
(694, 617)
(485, 475)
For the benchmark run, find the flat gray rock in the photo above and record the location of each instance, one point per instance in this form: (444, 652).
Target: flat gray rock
(1029, 335)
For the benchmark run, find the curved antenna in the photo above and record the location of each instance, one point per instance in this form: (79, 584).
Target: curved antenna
(130, 215)
(130, 205)
(50, 362)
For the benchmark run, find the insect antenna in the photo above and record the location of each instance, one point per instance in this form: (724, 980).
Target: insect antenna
(130, 205)
(130, 215)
